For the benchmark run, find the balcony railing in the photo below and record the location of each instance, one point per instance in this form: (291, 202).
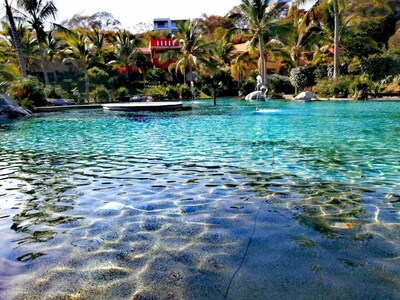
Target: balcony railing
(163, 43)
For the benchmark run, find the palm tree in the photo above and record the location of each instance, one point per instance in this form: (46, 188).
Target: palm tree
(28, 46)
(259, 17)
(99, 42)
(193, 49)
(125, 47)
(16, 39)
(37, 12)
(54, 49)
(302, 33)
(337, 4)
(81, 54)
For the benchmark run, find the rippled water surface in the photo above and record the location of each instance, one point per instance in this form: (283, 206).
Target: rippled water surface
(240, 201)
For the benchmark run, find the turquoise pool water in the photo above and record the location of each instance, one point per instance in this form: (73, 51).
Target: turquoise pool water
(244, 200)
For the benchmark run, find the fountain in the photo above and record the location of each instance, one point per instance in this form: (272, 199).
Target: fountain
(260, 93)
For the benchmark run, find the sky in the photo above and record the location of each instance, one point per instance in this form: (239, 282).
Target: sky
(132, 12)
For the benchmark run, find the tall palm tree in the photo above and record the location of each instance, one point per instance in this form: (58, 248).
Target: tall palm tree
(193, 49)
(37, 11)
(125, 47)
(17, 41)
(259, 17)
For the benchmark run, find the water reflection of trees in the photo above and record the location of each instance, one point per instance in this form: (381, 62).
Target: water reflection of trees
(48, 198)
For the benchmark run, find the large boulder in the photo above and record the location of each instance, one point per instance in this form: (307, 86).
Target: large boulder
(10, 108)
(304, 96)
(256, 95)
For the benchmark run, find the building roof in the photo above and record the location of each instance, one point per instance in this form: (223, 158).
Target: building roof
(240, 48)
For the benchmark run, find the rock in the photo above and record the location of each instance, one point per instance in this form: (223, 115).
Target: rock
(10, 108)
(61, 102)
(139, 99)
(256, 95)
(304, 96)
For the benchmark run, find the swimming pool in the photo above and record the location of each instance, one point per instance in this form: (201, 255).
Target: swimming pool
(244, 200)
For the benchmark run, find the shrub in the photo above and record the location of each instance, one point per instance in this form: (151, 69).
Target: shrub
(97, 76)
(302, 77)
(100, 94)
(379, 67)
(323, 71)
(121, 93)
(28, 92)
(330, 87)
(156, 92)
(184, 91)
(247, 87)
(360, 88)
(279, 84)
(157, 76)
(172, 92)
(56, 92)
(253, 75)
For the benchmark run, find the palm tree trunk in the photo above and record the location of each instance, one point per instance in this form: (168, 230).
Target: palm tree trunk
(191, 79)
(16, 39)
(87, 87)
(43, 62)
(336, 40)
(262, 59)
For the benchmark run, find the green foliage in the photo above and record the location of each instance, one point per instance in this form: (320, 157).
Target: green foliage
(157, 92)
(56, 92)
(28, 92)
(184, 91)
(253, 75)
(339, 88)
(121, 93)
(157, 76)
(172, 92)
(323, 71)
(302, 77)
(96, 76)
(280, 84)
(360, 88)
(100, 94)
(247, 87)
(394, 43)
(379, 67)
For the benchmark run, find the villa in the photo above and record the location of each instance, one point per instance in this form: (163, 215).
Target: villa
(166, 24)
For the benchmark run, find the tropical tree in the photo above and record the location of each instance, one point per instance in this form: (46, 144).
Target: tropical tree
(16, 38)
(80, 54)
(193, 49)
(302, 30)
(98, 40)
(337, 4)
(28, 46)
(260, 23)
(125, 47)
(36, 13)
(54, 48)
